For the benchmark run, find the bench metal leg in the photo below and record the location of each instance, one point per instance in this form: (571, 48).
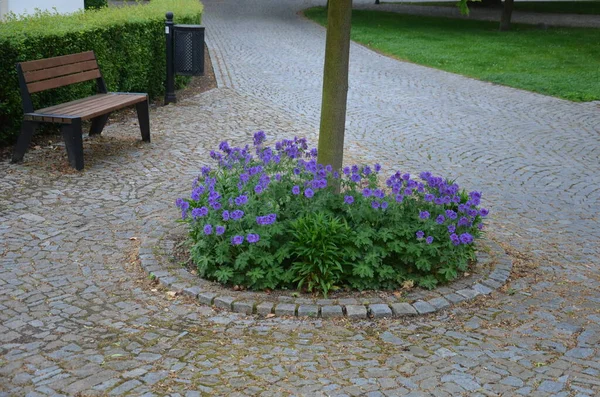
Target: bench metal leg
(74, 143)
(144, 119)
(98, 124)
(27, 130)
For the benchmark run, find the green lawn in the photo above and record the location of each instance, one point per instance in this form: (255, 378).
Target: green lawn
(560, 7)
(562, 62)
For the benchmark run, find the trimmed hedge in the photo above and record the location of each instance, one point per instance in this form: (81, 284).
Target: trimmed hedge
(87, 4)
(129, 43)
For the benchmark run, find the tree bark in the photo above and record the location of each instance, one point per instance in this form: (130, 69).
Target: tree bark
(506, 15)
(335, 84)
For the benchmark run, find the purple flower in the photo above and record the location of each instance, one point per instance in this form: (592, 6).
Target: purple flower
(377, 167)
(454, 238)
(266, 220)
(237, 240)
(378, 193)
(348, 199)
(199, 212)
(225, 215)
(451, 214)
(407, 192)
(384, 205)
(420, 234)
(480, 226)
(258, 189)
(220, 230)
(463, 221)
(346, 170)
(179, 202)
(451, 229)
(399, 198)
(252, 238)
(375, 204)
(296, 190)
(241, 200)
(429, 197)
(466, 238)
(484, 212)
(367, 170)
(184, 206)
(429, 239)
(216, 205)
(278, 177)
(259, 137)
(424, 215)
(237, 214)
(309, 193)
(328, 168)
(366, 192)
(205, 170)
(355, 169)
(355, 178)
(440, 219)
(208, 229)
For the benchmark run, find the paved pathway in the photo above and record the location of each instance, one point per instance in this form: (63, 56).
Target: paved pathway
(77, 315)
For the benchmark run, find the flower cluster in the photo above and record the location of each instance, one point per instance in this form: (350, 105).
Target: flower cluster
(250, 201)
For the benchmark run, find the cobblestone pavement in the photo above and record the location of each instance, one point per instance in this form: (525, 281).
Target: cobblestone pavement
(78, 317)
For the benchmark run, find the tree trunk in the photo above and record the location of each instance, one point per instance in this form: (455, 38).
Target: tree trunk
(506, 15)
(335, 84)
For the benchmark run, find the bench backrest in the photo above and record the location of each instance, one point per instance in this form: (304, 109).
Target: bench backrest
(45, 74)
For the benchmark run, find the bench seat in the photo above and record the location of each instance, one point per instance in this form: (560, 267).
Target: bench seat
(86, 108)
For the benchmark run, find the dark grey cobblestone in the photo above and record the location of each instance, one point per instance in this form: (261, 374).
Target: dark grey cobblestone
(78, 314)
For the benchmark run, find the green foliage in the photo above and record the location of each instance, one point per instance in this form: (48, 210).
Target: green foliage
(276, 221)
(588, 7)
(557, 61)
(129, 43)
(91, 4)
(318, 246)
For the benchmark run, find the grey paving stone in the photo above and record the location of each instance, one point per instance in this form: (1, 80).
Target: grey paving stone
(439, 303)
(265, 308)
(468, 293)
(285, 309)
(192, 291)
(482, 289)
(331, 311)
(243, 307)
(223, 302)
(423, 307)
(356, 311)
(379, 310)
(308, 311)
(455, 298)
(403, 309)
(207, 297)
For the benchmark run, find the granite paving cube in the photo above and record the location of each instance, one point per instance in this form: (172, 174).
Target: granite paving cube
(245, 307)
(439, 303)
(403, 309)
(224, 302)
(331, 311)
(424, 307)
(356, 311)
(265, 308)
(285, 309)
(379, 310)
(308, 311)
(468, 293)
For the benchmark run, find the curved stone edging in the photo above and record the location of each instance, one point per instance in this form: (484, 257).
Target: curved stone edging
(180, 280)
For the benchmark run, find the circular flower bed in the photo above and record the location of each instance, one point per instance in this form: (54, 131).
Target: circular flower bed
(275, 218)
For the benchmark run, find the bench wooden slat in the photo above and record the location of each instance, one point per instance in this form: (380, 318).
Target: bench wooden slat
(57, 61)
(45, 74)
(67, 106)
(62, 81)
(89, 107)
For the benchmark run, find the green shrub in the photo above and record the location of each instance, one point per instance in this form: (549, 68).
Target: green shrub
(90, 4)
(274, 220)
(129, 43)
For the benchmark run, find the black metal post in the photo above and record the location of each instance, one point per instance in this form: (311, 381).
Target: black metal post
(376, 1)
(170, 93)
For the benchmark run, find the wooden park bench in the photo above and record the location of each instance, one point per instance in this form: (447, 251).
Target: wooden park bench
(46, 74)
